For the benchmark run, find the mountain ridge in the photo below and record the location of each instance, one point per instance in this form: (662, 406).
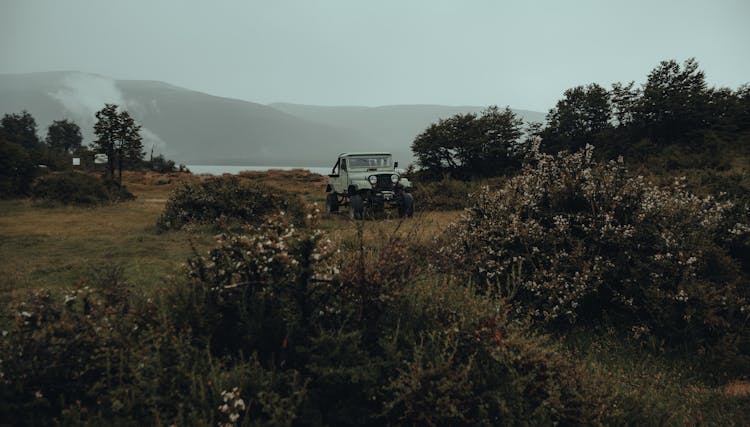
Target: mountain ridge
(190, 126)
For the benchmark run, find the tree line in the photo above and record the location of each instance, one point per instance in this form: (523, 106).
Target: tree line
(24, 155)
(673, 111)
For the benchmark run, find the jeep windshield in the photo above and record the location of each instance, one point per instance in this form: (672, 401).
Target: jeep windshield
(370, 162)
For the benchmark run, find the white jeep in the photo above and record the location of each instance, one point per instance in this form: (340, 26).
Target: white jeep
(368, 183)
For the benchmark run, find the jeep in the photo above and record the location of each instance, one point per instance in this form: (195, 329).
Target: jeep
(368, 183)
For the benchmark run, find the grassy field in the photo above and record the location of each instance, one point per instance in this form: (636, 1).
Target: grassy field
(56, 247)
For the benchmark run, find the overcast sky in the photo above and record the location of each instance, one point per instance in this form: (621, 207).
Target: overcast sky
(377, 52)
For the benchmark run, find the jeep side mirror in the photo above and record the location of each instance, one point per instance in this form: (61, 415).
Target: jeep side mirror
(395, 164)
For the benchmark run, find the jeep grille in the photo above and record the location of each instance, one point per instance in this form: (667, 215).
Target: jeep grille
(384, 182)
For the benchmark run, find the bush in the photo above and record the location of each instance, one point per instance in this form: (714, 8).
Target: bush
(17, 170)
(268, 328)
(61, 349)
(74, 188)
(445, 195)
(373, 342)
(227, 199)
(572, 240)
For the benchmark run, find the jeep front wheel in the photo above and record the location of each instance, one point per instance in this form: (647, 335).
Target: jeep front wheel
(356, 207)
(332, 203)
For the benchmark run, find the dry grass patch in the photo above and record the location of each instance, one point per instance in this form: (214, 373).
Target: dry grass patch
(57, 247)
(311, 186)
(737, 388)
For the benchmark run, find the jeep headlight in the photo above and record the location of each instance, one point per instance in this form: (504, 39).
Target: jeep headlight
(395, 178)
(373, 179)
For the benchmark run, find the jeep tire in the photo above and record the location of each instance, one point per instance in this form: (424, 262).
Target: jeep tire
(356, 207)
(332, 202)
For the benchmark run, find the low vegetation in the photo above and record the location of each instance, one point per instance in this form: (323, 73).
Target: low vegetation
(75, 188)
(314, 321)
(302, 334)
(571, 240)
(227, 200)
(449, 194)
(24, 156)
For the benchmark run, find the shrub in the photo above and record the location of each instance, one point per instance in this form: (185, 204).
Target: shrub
(227, 199)
(449, 194)
(445, 195)
(372, 342)
(74, 188)
(60, 349)
(272, 325)
(17, 170)
(573, 240)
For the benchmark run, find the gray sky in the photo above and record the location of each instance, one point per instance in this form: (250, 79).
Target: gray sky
(347, 52)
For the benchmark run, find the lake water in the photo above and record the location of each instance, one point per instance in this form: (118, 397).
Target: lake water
(222, 169)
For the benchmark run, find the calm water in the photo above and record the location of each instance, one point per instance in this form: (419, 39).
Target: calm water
(218, 170)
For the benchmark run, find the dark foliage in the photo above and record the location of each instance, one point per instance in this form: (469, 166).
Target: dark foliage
(575, 241)
(20, 128)
(118, 136)
(75, 188)
(469, 146)
(227, 199)
(672, 124)
(268, 329)
(17, 170)
(64, 135)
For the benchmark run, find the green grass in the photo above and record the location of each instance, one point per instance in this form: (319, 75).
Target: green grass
(653, 387)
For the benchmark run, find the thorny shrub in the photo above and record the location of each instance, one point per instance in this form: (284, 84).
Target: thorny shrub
(571, 240)
(227, 199)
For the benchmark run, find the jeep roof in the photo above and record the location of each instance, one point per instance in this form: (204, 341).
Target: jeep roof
(365, 153)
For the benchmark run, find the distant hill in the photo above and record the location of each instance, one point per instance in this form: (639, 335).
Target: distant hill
(194, 127)
(392, 127)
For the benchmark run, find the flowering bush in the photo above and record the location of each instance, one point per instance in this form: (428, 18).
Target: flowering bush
(228, 199)
(571, 239)
(64, 349)
(232, 407)
(253, 291)
(273, 326)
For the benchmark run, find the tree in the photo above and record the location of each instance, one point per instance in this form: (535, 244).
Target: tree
(64, 135)
(17, 169)
(20, 129)
(575, 121)
(467, 145)
(436, 149)
(523, 149)
(674, 101)
(118, 136)
(624, 101)
(498, 133)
